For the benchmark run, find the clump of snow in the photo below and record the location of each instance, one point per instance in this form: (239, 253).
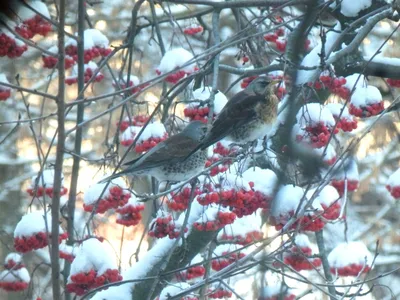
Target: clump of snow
(174, 59)
(346, 254)
(394, 179)
(265, 180)
(351, 8)
(130, 133)
(314, 113)
(364, 96)
(242, 226)
(172, 290)
(17, 258)
(349, 171)
(327, 195)
(336, 109)
(302, 241)
(204, 94)
(274, 291)
(93, 193)
(155, 130)
(24, 12)
(3, 78)
(211, 213)
(91, 39)
(355, 80)
(287, 199)
(15, 275)
(33, 223)
(46, 179)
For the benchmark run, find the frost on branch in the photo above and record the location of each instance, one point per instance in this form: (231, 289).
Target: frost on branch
(115, 195)
(91, 268)
(31, 232)
(350, 259)
(15, 277)
(153, 134)
(174, 60)
(5, 91)
(43, 185)
(393, 184)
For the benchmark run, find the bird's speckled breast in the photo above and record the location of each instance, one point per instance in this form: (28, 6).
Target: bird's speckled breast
(250, 132)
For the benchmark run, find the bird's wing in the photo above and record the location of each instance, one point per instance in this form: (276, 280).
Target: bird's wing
(172, 150)
(240, 110)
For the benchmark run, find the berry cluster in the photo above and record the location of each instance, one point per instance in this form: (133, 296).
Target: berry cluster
(138, 120)
(165, 226)
(197, 113)
(194, 29)
(228, 258)
(11, 264)
(179, 200)
(317, 135)
(367, 111)
(246, 81)
(14, 286)
(248, 238)
(220, 168)
(67, 256)
(40, 191)
(37, 241)
(83, 282)
(297, 258)
(5, 93)
(89, 54)
(222, 219)
(339, 185)
(305, 223)
(219, 293)
(192, 272)
(129, 215)
(394, 191)
(331, 212)
(146, 145)
(50, 62)
(334, 84)
(89, 72)
(393, 82)
(278, 38)
(10, 47)
(114, 198)
(346, 125)
(351, 270)
(36, 25)
(174, 77)
(135, 88)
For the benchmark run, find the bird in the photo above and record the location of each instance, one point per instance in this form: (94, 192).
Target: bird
(167, 161)
(247, 116)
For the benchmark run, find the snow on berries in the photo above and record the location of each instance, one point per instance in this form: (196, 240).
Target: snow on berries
(243, 231)
(345, 121)
(198, 108)
(67, 252)
(15, 277)
(5, 91)
(174, 289)
(100, 199)
(225, 255)
(366, 100)
(350, 259)
(329, 199)
(214, 218)
(176, 60)
(95, 44)
(10, 46)
(50, 62)
(314, 126)
(153, 134)
(31, 22)
(130, 213)
(91, 268)
(134, 84)
(246, 81)
(346, 177)
(139, 121)
(287, 201)
(43, 185)
(91, 70)
(276, 292)
(31, 232)
(393, 184)
(298, 255)
(193, 29)
(165, 225)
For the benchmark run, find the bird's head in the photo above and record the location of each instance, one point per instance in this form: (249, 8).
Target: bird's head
(196, 130)
(262, 85)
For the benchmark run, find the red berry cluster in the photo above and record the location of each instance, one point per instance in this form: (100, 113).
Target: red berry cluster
(89, 54)
(40, 191)
(331, 161)
(220, 263)
(14, 286)
(192, 30)
(4, 93)
(220, 168)
(174, 77)
(222, 219)
(191, 273)
(351, 270)
(179, 200)
(339, 185)
(165, 226)
(88, 74)
(224, 151)
(146, 145)
(11, 264)
(134, 89)
(246, 81)
(138, 120)
(332, 212)
(317, 135)
(116, 197)
(197, 113)
(67, 256)
(50, 62)
(394, 191)
(393, 82)
(9, 47)
(129, 215)
(250, 237)
(367, 111)
(304, 223)
(334, 84)
(280, 43)
(279, 297)
(39, 240)
(85, 281)
(346, 125)
(219, 293)
(297, 259)
(35, 25)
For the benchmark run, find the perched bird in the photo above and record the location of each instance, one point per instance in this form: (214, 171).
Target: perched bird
(167, 160)
(247, 116)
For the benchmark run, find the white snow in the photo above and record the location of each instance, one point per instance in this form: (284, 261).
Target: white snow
(392, 61)
(174, 59)
(15, 275)
(33, 223)
(91, 255)
(351, 172)
(93, 193)
(287, 199)
(17, 258)
(313, 113)
(25, 13)
(242, 226)
(302, 241)
(3, 78)
(227, 248)
(46, 179)
(271, 291)
(204, 93)
(173, 289)
(327, 195)
(364, 96)
(265, 180)
(211, 213)
(351, 8)
(152, 130)
(130, 132)
(330, 152)
(346, 254)
(394, 179)
(134, 79)
(233, 181)
(97, 38)
(355, 80)
(336, 108)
